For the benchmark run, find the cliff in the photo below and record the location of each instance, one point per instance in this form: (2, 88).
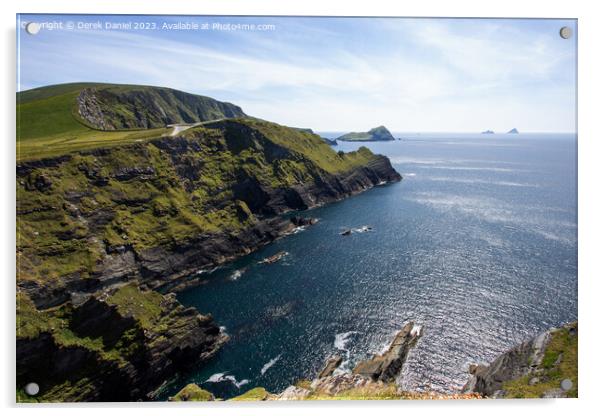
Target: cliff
(159, 210)
(116, 107)
(379, 133)
(118, 345)
(147, 210)
(533, 369)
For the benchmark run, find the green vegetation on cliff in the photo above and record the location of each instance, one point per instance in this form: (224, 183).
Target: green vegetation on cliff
(108, 201)
(559, 363)
(158, 192)
(64, 118)
(95, 349)
(192, 393)
(256, 394)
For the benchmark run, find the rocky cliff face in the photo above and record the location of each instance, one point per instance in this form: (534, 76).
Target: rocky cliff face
(535, 368)
(157, 212)
(118, 345)
(141, 107)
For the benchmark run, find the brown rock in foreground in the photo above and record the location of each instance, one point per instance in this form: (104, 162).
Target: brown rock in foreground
(387, 366)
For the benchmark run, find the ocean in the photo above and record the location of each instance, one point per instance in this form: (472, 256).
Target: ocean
(477, 244)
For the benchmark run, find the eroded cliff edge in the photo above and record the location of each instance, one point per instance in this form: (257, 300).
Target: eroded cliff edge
(148, 216)
(544, 366)
(159, 210)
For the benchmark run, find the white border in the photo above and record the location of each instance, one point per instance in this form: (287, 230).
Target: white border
(590, 208)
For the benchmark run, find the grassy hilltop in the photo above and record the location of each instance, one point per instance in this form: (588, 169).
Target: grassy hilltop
(64, 118)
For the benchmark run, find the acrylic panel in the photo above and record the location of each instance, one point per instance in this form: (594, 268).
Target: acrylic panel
(295, 208)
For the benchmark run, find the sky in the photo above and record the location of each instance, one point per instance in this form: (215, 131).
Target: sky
(328, 74)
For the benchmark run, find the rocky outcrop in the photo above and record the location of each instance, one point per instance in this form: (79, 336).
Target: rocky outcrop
(111, 107)
(331, 364)
(119, 345)
(530, 367)
(387, 366)
(372, 379)
(373, 376)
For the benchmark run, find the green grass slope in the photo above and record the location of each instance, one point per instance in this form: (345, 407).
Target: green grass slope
(50, 121)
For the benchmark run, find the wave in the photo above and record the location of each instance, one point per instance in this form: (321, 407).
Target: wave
(363, 229)
(269, 364)
(341, 340)
(208, 271)
(221, 377)
(237, 274)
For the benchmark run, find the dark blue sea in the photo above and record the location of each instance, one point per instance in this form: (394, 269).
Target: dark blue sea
(478, 244)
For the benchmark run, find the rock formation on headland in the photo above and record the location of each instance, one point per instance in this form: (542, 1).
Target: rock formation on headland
(513, 131)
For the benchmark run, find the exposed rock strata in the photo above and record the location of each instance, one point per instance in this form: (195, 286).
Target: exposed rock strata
(173, 266)
(138, 350)
(138, 107)
(386, 367)
(524, 360)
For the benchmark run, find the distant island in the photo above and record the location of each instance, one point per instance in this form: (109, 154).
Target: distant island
(377, 134)
(513, 131)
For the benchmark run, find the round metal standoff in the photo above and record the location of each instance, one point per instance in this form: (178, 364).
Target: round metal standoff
(566, 384)
(566, 32)
(32, 389)
(32, 28)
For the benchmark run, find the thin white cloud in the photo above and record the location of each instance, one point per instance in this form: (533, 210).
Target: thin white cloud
(421, 74)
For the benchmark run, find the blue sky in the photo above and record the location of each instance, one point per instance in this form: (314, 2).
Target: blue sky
(332, 74)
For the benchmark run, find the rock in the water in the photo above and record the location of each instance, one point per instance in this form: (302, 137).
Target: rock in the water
(331, 364)
(386, 367)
